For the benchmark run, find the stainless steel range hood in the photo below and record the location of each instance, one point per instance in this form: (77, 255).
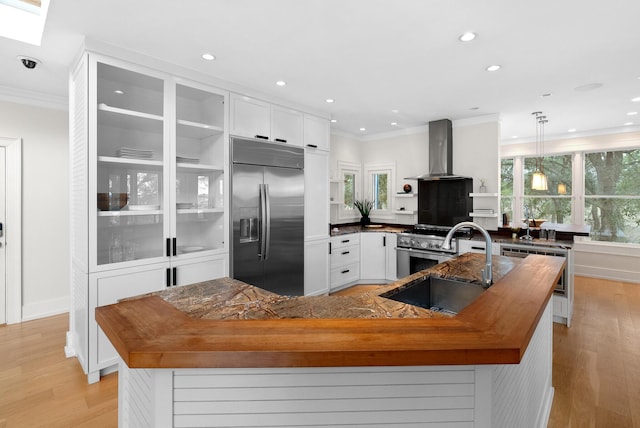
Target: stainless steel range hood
(440, 152)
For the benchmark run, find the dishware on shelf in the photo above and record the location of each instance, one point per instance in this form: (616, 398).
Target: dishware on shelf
(112, 201)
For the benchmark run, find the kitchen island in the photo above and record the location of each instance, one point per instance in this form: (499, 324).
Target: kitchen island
(268, 360)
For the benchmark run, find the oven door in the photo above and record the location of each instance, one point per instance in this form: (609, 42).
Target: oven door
(411, 260)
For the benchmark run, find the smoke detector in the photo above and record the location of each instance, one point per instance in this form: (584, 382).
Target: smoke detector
(28, 62)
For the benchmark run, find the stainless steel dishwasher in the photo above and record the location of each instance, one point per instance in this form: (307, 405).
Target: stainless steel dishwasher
(523, 250)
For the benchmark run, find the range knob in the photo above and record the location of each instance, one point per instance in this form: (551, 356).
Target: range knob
(430, 244)
(436, 245)
(424, 244)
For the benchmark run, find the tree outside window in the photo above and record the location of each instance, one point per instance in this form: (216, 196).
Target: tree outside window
(506, 188)
(380, 191)
(612, 195)
(553, 204)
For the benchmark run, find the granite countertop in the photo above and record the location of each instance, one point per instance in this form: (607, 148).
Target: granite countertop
(226, 323)
(338, 230)
(227, 298)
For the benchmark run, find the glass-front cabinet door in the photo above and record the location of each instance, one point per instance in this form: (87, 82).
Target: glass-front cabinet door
(199, 170)
(130, 150)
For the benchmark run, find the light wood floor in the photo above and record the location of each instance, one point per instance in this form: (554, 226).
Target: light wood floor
(596, 368)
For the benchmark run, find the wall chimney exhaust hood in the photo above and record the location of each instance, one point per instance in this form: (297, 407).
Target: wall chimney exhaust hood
(440, 152)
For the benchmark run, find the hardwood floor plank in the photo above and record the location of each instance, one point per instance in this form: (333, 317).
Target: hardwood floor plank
(596, 368)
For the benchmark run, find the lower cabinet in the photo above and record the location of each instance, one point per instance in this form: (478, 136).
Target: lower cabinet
(109, 287)
(345, 260)
(378, 257)
(316, 267)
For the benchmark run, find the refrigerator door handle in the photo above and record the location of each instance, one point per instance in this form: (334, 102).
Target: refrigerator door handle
(267, 217)
(263, 222)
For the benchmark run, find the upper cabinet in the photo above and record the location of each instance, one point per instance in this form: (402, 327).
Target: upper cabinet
(316, 132)
(258, 119)
(157, 182)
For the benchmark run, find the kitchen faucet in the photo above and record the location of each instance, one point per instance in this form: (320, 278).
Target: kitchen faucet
(487, 274)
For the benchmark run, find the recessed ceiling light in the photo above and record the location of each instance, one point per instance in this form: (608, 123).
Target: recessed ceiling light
(514, 136)
(118, 91)
(474, 108)
(334, 120)
(208, 57)
(571, 130)
(394, 123)
(363, 129)
(281, 83)
(329, 100)
(635, 100)
(494, 67)
(628, 123)
(632, 113)
(588, 87)
(395, 111)
(467, 37)
(548, 94)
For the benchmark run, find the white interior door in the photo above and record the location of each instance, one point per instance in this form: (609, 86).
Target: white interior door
(3, 258)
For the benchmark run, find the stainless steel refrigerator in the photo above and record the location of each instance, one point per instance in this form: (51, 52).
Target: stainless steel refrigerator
(267, 212)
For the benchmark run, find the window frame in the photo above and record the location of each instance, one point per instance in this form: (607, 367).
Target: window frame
(378, 169)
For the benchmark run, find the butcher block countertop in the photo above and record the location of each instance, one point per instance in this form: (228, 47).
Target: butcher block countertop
(227, 323)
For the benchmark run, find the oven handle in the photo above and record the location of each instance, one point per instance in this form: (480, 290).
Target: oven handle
(425, 252)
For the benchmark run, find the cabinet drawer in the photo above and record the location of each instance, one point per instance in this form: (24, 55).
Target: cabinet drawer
(345, 274)
(338, 242)
(344, 256)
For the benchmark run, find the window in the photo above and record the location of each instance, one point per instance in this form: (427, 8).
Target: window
(506, 188)
(553, 204)
(379, 188)
(350, 180)
(612, 195)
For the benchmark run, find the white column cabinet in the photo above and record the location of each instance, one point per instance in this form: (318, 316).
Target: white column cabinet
(316, 220)
(317, 132)
(149, 161)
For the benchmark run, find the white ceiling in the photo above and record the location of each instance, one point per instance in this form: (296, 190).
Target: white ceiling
(374, 56)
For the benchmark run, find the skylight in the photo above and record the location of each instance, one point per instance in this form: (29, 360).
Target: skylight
(23, 20)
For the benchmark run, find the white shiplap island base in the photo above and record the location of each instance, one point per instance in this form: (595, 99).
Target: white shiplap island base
(479, 396)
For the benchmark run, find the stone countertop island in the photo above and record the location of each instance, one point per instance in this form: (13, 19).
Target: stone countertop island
(380, 361)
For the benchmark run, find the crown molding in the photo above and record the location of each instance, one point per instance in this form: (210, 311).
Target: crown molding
(33, 98)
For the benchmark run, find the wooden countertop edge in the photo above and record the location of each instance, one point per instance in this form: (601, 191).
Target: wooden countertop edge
(495, 329)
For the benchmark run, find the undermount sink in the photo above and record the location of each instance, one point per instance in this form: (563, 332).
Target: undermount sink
(437, 294)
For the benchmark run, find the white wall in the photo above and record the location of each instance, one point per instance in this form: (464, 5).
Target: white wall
(476, 154)
(45, 205)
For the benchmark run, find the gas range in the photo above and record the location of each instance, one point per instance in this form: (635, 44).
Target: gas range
(426, 237)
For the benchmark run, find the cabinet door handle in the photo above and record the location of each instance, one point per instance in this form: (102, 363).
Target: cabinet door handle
(175, 246)
(329, 247)
(175, 276)
(262, 137)
(345, 241)
(345, 252)
(384, 241)
(168, 247)
(313, 146)
(478, 248)
(280, 140)
(345, 271)
(168, 277)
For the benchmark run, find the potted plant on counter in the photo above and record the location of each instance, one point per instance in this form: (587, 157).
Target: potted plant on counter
(364, 206)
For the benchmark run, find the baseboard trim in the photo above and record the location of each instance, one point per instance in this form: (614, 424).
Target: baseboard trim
(45, 308)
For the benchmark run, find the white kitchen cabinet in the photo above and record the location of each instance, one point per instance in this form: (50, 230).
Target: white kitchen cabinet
(316, 193)
(149, 161)
(345, 260)
(250, 117)
(106, 288)
(316, 266)
(286, 125)
(373, 256)
(378, 257)
(317, 132)
(255, 118)
(391, 244)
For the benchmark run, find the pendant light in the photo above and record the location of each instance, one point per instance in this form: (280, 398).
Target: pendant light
(539, 179)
